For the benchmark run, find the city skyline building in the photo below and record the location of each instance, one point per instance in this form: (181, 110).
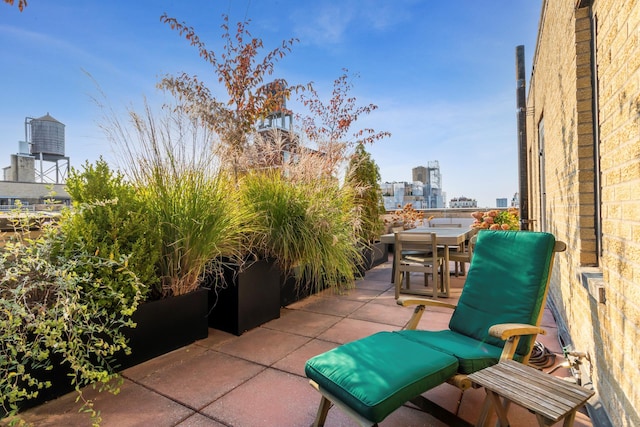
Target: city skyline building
(463, 202)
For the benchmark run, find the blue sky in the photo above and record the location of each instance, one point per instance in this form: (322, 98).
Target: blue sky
(441, 72)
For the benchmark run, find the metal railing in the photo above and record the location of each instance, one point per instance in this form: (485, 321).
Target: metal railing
(24, 208)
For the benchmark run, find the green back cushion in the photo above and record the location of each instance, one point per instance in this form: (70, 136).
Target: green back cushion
(506, 283)
(375, 375)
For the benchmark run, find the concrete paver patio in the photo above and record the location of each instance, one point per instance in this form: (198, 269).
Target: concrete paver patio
(257, 379)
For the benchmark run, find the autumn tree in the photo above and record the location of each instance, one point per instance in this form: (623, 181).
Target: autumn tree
(242, 70)
(331, 124)
(21, 3)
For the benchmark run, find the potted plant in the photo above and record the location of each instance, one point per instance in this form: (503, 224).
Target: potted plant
(189, 206)
(405, 218)
(363, 176)
(64, 312)
(112, 218)
(497, 220)
(304, 224)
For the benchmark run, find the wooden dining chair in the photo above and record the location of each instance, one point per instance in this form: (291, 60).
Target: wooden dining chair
(417, 252)
(461, 256)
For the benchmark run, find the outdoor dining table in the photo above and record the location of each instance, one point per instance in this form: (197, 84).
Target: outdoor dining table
(446, 237)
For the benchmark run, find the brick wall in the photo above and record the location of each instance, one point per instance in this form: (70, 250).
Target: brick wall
(560, 97)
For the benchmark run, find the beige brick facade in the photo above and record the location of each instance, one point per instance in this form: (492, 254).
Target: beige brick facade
(588, 55)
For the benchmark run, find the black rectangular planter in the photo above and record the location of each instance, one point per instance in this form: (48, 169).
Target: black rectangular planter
(162, 326)
(293, 290)
(167, 324)
(373, 255)
(251, 297)
(380, 254)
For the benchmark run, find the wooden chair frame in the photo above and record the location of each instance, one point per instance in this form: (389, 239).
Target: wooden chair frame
(416, 252)
(509, 332)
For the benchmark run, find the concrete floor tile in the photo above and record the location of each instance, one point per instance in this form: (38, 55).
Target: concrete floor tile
(148, 368)
(258, 378)
(388, 297)
(333, 306)
(199, 420)
(435, 320)
(133, 406)
(352, 329)
(376, 280)
(404, 416)
(393, 315)
(471, 404)
(547, 318)
(409, 417)
(216, 337)
(264, 346)
(357, 294)
(550, 340)
(200, 380)
(272, 398)
(303, 322)
(445, 395)
(294, 362)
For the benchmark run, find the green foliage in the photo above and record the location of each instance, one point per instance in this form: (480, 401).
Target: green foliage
(304, 225)
(110, 219)
(510, 218)
(198, 220)
(497, 220)
(167, 157)
(363, 176)
(73, 305)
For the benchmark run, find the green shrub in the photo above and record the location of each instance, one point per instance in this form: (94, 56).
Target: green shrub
(74, 305)
(199, 223)
(110, 219)
(304, 225)
(363, 176)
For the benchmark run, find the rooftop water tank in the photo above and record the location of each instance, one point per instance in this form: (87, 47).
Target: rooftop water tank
(47, 136)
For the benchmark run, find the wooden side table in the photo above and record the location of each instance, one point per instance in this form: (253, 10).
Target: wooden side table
(548, 397)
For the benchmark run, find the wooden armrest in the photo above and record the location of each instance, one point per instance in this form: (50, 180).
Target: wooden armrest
(409, 301)
(507, 330)
(420, 304)
(511, 332)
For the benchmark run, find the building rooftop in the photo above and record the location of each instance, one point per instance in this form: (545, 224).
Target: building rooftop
(257, 379)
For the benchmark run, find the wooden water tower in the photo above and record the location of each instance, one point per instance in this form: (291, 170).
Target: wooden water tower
(45, 137)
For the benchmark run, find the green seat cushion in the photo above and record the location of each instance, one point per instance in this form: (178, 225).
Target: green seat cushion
(472, 355)
(376, 375)
(506, 283)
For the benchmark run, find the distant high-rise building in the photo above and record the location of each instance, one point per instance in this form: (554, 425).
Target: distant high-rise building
(515, 201)
(431, 179)
(501, 202)
(419, 173)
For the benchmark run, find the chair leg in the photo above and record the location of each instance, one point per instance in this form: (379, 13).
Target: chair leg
(323, 410)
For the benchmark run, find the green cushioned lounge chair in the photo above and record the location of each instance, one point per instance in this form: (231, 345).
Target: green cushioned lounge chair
(502, 300)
